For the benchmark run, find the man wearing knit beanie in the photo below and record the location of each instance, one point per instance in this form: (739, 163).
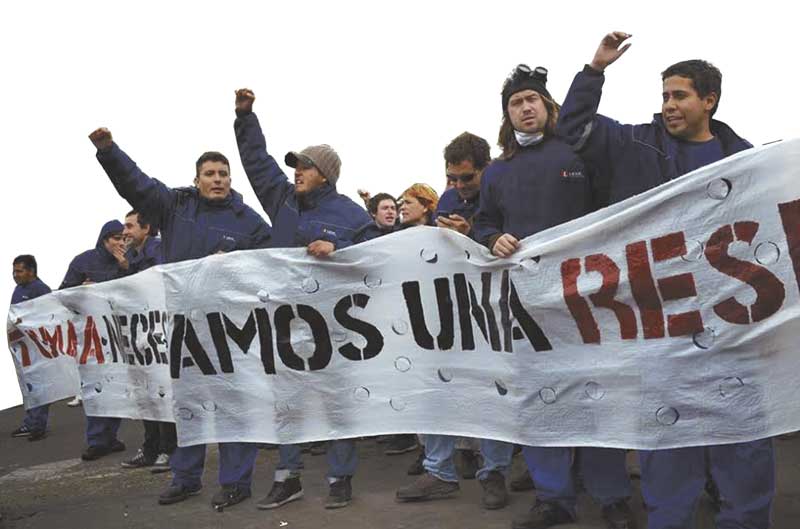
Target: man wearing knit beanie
(537, 183)
(308, 213)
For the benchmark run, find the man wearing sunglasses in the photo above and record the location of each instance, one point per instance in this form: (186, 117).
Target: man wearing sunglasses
(537, 183)
(465, 159)
(308, 213)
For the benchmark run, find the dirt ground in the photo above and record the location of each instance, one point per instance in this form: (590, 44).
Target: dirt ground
(46, 485)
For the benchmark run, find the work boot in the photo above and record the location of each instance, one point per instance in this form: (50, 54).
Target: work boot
(95, 452)
(426, 487)
(468, 463)
(619, 516)
(522, 482)
(282, 492)
(400, 444)
(138, 461)
(416, 468)
(494, 490)
(541, 516)
(339, 494)
(117, 446)
(229, 495)
(176, 493)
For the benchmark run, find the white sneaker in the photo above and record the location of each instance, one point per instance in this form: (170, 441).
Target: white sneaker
(77, 401)
(161, 464)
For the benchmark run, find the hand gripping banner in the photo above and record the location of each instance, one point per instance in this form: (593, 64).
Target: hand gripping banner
(670, 319)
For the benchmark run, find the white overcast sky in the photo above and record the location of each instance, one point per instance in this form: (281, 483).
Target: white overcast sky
(386, 84)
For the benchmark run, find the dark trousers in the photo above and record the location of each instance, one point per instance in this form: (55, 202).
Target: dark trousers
(159, 438)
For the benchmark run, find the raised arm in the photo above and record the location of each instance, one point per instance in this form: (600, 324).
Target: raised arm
(269, 182)
(590, 134)
(144, 194)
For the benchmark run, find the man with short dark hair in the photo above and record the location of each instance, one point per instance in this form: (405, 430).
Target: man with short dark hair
(195, 222)
(29, 286)
(98, 265)
(383, 209)
(466, 158)
(635, 158)
(537, 183)
(309, 213)
(144, 251)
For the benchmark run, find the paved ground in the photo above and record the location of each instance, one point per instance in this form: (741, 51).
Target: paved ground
(45, 485)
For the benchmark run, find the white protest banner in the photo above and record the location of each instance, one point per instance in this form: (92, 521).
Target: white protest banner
(668, 320)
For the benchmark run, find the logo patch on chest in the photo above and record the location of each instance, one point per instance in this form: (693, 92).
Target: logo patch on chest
(572, 175)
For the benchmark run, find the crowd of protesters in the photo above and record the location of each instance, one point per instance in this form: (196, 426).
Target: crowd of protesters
(558, 162)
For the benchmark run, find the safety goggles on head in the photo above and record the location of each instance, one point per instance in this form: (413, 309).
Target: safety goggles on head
(523, 70)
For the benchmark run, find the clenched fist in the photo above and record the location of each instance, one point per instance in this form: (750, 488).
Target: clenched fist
(101, 139)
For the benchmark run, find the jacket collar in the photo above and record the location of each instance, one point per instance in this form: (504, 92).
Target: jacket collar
(312, 199)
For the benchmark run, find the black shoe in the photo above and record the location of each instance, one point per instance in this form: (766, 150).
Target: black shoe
(95, 452)
(37, 435)
(541, 516)
(22, 431)
(468, 463)
(339, 494)
(229, 495)
(117, 446)
(282, 492)
(400, 444)
(176, 493)
(495, 495)
(619, 516)
(416, 468)
(138, 461)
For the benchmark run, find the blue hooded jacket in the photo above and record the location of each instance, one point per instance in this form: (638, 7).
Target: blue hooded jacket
(321, 214)
(148, 257)
(631, 158)
(541, 186)
(451, 202)
(191, 226)
(96, 265)
(31, 290)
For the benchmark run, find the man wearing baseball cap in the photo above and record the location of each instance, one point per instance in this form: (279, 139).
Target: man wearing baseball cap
(537, 183)
(308, 213)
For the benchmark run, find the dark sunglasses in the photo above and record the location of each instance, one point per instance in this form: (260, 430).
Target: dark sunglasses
(465, 178)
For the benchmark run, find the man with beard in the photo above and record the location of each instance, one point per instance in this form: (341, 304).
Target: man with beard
(539, 182)
(311, 214)
(466, 158)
